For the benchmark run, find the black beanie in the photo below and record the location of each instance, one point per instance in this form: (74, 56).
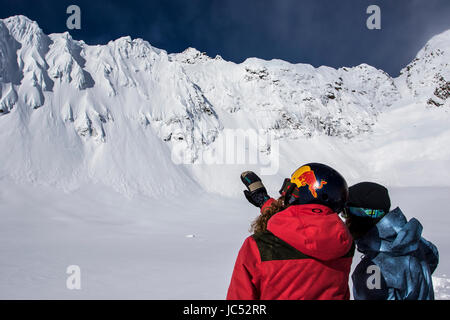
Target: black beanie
(369, 195)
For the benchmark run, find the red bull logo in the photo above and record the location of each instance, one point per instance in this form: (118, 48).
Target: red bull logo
(304, 176)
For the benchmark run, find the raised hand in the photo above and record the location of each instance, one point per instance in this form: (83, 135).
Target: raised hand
(256, 193)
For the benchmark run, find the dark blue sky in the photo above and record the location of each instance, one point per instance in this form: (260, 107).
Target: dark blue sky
(319, 32)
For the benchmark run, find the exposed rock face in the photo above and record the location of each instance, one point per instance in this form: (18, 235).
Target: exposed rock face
(428, 75)
(182, 96)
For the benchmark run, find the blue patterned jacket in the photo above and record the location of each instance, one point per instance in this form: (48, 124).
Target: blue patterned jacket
(395, 250)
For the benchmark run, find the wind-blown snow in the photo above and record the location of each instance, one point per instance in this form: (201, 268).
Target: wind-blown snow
(78, 120)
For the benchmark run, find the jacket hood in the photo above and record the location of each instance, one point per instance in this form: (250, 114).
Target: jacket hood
(393, 235)
(313, 229)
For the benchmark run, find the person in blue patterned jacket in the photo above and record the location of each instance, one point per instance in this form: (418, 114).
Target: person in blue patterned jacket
(397, 261)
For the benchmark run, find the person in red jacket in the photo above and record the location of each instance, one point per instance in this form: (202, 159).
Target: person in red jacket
(300, 248)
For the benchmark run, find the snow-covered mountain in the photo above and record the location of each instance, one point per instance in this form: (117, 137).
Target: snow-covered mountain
(428, 75)
(72, 113)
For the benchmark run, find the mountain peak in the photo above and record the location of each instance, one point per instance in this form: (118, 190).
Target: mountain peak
(441, 40)
(25, 31)
(428, 75)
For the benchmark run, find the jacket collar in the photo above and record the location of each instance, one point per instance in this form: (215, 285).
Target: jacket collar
(393, 235)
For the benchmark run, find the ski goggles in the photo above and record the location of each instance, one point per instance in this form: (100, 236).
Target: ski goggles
(365, 213)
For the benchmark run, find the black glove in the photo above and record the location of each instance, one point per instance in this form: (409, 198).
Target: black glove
(285, 186)
(256, 193)
(289, 191)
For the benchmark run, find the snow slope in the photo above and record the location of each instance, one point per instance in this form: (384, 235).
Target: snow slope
(89, 138)
(145, 249)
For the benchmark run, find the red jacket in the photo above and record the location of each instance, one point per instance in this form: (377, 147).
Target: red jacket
(306, 253)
